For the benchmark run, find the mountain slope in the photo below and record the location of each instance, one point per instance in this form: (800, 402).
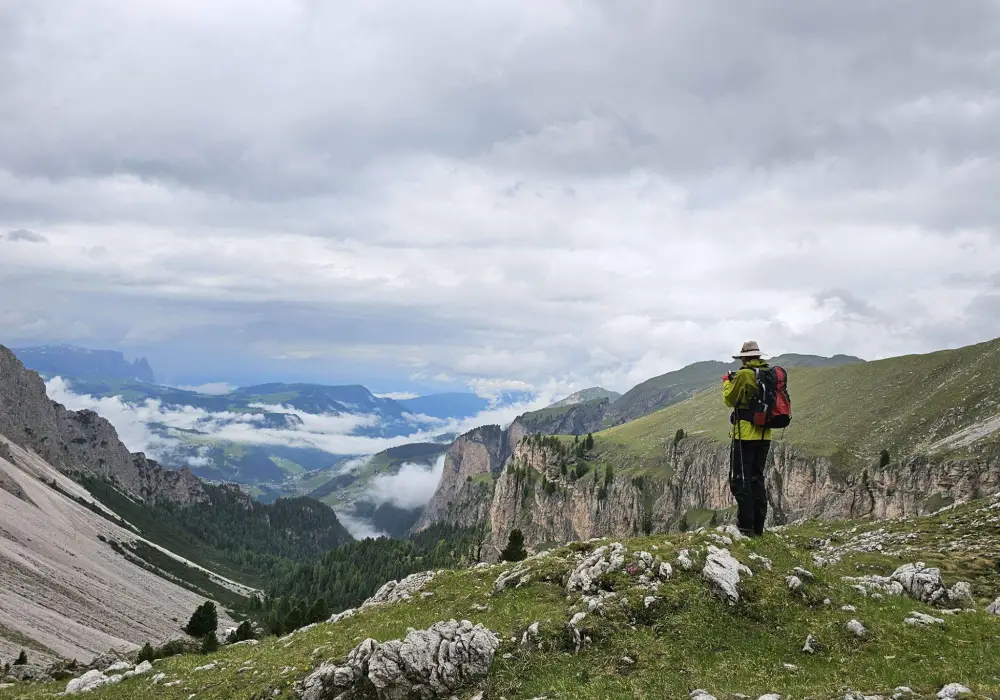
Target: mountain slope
(68, 585)
(906, 405)
(447, 405)
(667, 389)
(729, 621)
(586, 395)
(73, 361)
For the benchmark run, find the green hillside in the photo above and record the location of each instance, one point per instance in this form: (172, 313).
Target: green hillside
(904, 405)
(657, 635)
(672, 387)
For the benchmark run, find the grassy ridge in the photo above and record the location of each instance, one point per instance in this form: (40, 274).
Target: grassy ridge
(851, 413)
(687, 638)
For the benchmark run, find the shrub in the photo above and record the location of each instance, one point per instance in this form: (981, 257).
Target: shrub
(320, 611)
(22, 659)
(884, 459)
(514, 551)
(589, 442)
(146, 653)
(209, 644)
(203, 621)
(678, 436)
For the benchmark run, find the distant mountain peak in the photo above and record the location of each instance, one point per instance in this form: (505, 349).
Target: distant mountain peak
(76, 362)
(585, 395)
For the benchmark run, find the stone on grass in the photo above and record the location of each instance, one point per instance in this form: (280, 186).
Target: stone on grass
(770, 696)
(794, 583)
(953, 690)
(811, 645)
(723, 570)
(88, 682)
(395, 591)
(603, 560)
(701, 695)
(919, 618)
(857, 628)
(994, 607)
(961, 591)
(763, 561)
(921, 582)
(432, 663)
(684, 560)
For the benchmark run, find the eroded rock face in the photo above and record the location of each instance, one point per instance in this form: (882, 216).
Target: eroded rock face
(426, 664)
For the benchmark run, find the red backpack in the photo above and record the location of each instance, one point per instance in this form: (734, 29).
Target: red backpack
(772, 406)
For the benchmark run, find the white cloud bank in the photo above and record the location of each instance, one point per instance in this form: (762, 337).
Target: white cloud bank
(411, 487)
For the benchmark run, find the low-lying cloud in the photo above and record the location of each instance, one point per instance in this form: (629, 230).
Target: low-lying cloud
(156, 429)
(411, 487)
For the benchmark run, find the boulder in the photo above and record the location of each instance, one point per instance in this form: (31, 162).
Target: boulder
(857, 628)
(395, 591)
(961, 592)
(23, 672)
(953, 690)
(723, 570)
(921, 582)
(426, 664)
(919, 618)
(994, 607)
(602, 560)
(89, 681)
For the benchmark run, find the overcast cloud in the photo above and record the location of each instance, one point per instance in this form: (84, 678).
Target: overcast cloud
(440, 194)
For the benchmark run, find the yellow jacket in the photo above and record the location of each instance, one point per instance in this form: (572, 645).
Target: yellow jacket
(737, 393)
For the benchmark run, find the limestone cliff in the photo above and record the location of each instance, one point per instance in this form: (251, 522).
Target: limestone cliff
(81, 441)
(534, 494)
(470, 466)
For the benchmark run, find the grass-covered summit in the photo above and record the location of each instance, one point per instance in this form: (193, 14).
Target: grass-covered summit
(816, 610)
(938, 402)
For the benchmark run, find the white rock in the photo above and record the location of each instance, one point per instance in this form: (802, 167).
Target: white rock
(857, 628)
(207, 667)
(921, 582)
(159, 678)
(803, 573)
(701, 695)
(649, 600)
(119, 666)
(794, 583)
(684, 560)
(723, 570)
(790, 667)
(666, 571)
(603, 560)
(428, 663)
(763, 561)
(395, 591)
(350, 612)
(849, 608)
(770, 696)
(144, 667)
(87, 682)
(901, 692)
(961, 591)
(811, 645)
(919, 618)
(246, 643)
(530, 634)
(953, 690)
(994, 607)
(734, 532)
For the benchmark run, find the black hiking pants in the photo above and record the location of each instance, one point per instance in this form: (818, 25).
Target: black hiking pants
(746, 481)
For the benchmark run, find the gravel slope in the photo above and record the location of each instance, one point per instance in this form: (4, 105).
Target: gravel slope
(64, 589)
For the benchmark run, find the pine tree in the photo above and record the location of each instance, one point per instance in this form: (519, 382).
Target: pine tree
(146, 653)
(514, 551)
(678, 436)
(22, 659)
(296, 619)
(589, 442)
(884, 459)
(203, 621)
(209, 643)
(320, 611)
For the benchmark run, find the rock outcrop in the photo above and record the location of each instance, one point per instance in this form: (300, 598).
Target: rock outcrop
(426, 664)
(465, 491)
(82, 441)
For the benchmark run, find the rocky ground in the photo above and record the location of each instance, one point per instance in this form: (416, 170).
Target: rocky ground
(64, 592)
(903, 609)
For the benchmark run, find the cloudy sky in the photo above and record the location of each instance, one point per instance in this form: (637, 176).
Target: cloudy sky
(561, 193)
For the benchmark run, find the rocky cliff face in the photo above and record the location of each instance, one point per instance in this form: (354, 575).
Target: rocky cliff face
(81, 441)
(533, 495)
(470, 467)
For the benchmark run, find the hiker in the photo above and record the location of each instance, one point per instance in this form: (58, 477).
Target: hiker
(750, 443)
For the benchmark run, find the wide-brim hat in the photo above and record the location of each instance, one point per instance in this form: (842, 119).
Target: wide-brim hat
(749, 349)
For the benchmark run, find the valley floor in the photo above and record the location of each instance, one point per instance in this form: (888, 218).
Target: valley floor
(650, 632)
